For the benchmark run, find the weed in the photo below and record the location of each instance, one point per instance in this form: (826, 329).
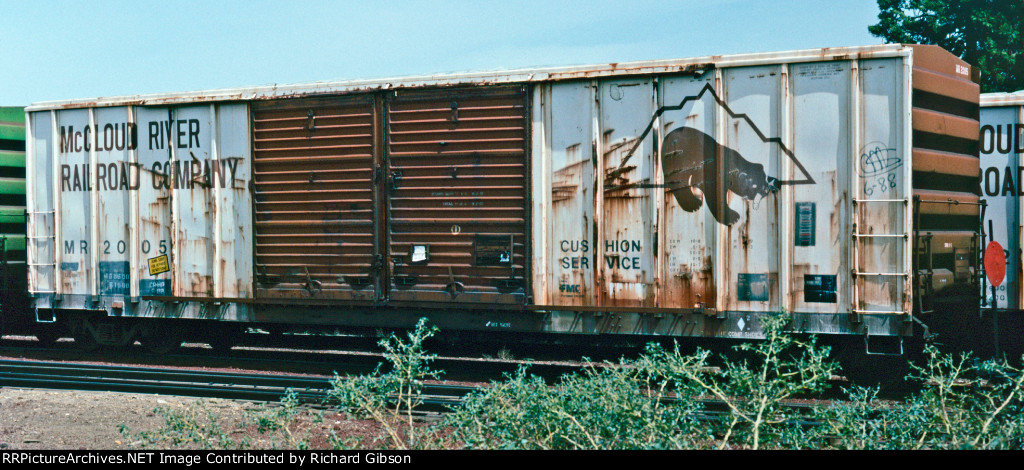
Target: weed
(963, 404)
(195, 426)
(280, 420)
(390, 398)
(654, 402)
(602, 408)
(753, 390)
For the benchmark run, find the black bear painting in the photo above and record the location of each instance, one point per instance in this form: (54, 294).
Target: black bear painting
(691, 172)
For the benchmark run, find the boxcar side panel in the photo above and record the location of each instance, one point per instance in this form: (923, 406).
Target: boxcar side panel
(626, 238)
(570, 154)
(733, 191)
(153, 202)
(820, 240)
(233, 232)
(1001, 148)
(115, 178)
(749, 222)
(154, 207)
(40, 201)
(74, 183)
(689, 236)
(882, 200)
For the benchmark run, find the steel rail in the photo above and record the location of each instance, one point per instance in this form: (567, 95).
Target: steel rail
(434, 398)
(284, 357)
(182, 382)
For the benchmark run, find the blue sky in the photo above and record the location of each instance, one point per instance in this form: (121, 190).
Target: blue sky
(60, 50)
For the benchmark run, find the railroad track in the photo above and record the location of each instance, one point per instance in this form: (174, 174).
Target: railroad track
(284, 360)
(193, 383)
(436, 398)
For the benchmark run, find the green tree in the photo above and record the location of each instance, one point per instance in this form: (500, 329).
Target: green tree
(985, 33)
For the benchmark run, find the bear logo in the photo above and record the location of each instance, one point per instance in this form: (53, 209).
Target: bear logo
(690, 162)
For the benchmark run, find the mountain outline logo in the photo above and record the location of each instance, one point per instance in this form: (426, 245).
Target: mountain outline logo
(694, 173)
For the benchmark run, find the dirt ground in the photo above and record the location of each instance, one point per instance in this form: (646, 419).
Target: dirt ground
(51, 419)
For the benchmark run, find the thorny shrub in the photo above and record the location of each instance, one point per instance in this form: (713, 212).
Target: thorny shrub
(655, 401)
(963, 404)
(390, 398)
(601, 408)
(659, 401)
(753, 389)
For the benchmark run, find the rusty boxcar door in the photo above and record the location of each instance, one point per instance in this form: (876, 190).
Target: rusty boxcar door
(457, 186)
(315, 190)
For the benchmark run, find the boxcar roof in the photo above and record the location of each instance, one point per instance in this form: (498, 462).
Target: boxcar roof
(1003, 99)
(542, 74)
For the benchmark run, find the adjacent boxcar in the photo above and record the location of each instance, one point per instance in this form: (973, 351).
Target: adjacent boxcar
(13, 275)
(677, 197)
(1002, 146)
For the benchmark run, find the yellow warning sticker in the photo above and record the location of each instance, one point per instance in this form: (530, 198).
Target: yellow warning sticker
(158, 265)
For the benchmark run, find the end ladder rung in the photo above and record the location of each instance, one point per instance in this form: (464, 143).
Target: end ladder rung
(880, 235)
(855, 201)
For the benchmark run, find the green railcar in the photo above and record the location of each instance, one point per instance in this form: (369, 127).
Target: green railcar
(13, 275)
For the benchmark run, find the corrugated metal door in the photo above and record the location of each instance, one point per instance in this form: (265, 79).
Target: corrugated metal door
(457, 191)
(316, 198)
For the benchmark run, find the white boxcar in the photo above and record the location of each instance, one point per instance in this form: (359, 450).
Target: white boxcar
(678, 197)
(783, 184)
(1001, 147)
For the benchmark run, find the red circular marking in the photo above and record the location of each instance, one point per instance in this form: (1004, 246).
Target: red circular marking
(995, 263)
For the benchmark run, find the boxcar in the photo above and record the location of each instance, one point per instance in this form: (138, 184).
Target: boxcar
(1001, 148)
(677, 197)
(13, 275)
